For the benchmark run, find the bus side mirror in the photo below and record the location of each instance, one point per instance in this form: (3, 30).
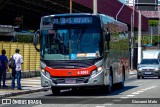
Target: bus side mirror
(107, 36)
(36, 39)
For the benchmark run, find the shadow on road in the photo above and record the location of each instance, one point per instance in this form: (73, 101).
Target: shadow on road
(93, 92)
(119, 91)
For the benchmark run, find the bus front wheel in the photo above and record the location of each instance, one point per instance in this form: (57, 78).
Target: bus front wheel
(121, 84)
(55, 91)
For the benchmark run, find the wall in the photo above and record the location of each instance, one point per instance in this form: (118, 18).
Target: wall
(30, 56)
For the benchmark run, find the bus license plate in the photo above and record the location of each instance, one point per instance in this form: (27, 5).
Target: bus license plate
(70, 81)
(147, 72)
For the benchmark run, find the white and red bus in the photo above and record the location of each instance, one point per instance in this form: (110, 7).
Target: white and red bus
(82, 50)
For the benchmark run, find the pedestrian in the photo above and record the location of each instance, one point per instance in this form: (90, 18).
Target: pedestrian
(16, 72)
(3, 67)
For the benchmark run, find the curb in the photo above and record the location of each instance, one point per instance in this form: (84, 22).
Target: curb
(24, 92)
(133, 72)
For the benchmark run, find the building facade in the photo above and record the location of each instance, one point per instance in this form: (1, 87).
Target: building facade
(153, 17)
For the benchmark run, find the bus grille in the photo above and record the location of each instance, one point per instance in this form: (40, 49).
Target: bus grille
(59, 80)
(70, 65)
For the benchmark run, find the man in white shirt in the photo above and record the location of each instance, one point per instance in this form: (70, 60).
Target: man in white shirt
(16, 72)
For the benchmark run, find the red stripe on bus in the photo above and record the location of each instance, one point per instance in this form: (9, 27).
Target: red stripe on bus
(70, 72)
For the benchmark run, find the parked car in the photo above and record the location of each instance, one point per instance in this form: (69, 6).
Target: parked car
(149, 65)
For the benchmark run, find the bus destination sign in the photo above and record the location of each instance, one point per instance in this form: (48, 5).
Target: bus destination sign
(72, 20)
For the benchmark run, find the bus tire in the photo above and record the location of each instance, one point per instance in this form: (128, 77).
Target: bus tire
(55, 91)
(121, 84)
(138, 76)
(110, 85)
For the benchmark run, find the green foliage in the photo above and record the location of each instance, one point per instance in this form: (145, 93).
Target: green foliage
(147, 39)
(24, 38)
(120, 45)
(153, 22)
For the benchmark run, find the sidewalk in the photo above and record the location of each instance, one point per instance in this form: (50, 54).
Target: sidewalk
(133, 72)
(29, 85)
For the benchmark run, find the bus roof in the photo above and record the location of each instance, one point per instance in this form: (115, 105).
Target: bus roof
(90, 14)
(76, 14)
(68, 14)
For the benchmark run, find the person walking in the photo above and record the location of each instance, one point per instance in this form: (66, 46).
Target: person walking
(16, 72)
(3, 67)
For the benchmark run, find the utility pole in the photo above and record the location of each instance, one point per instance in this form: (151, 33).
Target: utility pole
(151, 34)
(139, 37)
(94, 6)
(158, 28)
(70, 6)
(132, 37)
(131, 41)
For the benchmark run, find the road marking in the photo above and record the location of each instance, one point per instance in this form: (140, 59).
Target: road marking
(144, 89)
(135, 93)
(149, 88)
(108, 104)
(130, 95)
(124, 97)
(100, 106)
(153, 87)
(117, 100)
(140, 91)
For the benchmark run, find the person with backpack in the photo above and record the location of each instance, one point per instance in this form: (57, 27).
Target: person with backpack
(16, 71)
(3, 67)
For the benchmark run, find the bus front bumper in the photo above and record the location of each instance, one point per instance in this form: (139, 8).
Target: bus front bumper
(95, 80)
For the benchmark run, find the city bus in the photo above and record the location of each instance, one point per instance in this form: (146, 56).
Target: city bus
(82, 50)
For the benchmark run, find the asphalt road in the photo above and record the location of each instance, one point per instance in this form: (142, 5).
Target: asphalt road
(139, 93)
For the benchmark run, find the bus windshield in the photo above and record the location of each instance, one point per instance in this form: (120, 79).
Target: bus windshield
(71, 43)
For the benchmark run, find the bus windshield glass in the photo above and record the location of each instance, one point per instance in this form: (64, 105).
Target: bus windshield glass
(71, 44)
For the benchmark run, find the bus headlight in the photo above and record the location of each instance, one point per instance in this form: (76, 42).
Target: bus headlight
(140, 69)
(99, 69)
(96, 71)
(42, 70)
(47, 74)
(156, 69)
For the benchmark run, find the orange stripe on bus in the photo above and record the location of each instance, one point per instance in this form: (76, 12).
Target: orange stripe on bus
(70, 72)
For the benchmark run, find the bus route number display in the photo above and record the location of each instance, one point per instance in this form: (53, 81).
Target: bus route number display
(73, 20)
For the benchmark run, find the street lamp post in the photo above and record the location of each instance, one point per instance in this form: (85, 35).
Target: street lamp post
(94, 6)
(119, 11)
(70, 6)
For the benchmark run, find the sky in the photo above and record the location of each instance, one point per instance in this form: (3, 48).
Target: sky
(123, 1)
